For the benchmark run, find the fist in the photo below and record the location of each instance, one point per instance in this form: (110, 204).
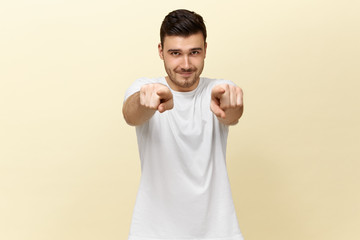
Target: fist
(227, 100)
(156, 96)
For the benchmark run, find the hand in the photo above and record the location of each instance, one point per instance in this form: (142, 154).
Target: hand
(227, 102)
(156, 96)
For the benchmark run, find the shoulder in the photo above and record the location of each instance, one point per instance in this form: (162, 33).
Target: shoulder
(138, 83)
(211, 82)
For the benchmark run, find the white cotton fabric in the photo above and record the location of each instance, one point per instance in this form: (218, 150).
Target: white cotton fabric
(184, 191)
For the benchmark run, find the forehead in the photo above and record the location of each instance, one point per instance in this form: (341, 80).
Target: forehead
(181, 42)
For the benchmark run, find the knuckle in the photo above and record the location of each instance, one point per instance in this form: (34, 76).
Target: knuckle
(225, 106)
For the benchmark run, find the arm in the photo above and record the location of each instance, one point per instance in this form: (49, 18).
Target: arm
(142, 105)
(227, 103)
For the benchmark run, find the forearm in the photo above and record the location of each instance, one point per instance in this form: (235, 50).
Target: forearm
(134, 113)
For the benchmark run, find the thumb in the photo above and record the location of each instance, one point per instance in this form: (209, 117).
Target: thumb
(215, 108)
(166, 105)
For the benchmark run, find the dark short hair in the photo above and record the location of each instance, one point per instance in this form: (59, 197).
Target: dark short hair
(183, 23)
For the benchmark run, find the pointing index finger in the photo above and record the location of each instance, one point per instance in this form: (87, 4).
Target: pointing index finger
(164, 93)
(217, 91)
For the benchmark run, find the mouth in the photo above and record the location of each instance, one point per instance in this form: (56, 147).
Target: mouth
(186, 74)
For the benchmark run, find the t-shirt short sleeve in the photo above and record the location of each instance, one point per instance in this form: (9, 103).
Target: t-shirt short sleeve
(222, 81)
(136, 86)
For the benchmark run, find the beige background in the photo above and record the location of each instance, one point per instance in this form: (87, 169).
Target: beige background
(69, 166)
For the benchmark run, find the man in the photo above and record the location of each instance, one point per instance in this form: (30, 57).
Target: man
(182, 126)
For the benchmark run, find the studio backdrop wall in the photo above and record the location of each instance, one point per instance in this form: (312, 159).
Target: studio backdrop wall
(69, 166)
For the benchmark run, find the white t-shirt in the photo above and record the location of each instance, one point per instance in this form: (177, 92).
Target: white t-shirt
(184, 191)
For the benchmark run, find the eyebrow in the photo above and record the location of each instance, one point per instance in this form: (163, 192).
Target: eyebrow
(179, 50)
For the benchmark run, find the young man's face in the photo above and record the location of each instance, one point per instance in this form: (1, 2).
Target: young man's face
(183, 60)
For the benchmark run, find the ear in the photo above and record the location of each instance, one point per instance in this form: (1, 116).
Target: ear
(205, 49)
(160, 51)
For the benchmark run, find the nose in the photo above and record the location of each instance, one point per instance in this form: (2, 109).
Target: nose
(185, 63)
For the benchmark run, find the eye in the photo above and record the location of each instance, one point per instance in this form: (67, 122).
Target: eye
(175, 53)
(195, 52)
